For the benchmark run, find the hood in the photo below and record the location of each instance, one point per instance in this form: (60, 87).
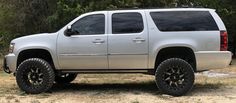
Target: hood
(34, 37)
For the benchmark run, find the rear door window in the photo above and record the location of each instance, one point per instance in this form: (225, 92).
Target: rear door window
(123, 23)
(184, 21)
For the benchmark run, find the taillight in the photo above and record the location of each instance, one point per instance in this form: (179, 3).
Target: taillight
(223, 40)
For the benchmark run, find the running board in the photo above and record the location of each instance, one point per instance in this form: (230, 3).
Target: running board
(96, 71)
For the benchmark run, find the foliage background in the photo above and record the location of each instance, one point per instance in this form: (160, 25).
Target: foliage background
(25, 17)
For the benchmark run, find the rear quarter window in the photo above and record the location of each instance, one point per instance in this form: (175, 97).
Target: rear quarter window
(184, 21)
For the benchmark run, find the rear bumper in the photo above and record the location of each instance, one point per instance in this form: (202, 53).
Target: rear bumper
(212, 59)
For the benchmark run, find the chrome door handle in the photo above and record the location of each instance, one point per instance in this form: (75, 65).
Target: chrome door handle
(98, 41)
(138, 40)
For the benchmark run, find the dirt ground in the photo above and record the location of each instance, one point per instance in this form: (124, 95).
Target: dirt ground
(217, 86)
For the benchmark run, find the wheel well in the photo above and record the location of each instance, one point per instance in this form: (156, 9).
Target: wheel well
(184, 53)
(35, 53)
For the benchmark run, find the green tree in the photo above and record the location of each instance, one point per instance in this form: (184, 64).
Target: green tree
(24, 17)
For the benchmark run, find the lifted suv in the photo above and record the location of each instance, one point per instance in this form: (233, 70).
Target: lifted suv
(171, 44)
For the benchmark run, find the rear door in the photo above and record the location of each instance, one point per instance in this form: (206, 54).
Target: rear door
(127, 40)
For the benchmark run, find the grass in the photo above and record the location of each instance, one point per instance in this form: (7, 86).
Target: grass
(7, 83)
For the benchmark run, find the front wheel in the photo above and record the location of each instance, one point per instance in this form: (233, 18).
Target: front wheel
(35, 76)
(175, 77)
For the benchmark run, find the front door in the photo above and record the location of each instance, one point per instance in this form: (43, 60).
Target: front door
(127, 40)
(88, 48)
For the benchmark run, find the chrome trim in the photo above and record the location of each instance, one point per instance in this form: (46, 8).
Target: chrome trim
(98, 54)
(139, 40)
(98, 41)
(83, 54)
(125, 54)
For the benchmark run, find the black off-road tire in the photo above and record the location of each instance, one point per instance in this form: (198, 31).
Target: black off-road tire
(65, 78)
(35, 76)
(174, 77)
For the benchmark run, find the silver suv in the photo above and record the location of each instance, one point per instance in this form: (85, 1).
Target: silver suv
(171, 44)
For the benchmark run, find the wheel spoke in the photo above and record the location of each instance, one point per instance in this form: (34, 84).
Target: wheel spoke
(167, 73)
(29, 75)
(30, 81)
(178, 71)
(181, 76)
(180, 81)
(170, 83)
(167, 79)
(174, 77)
(40, 79)
(172, 69)
(37, 83)
(34, 82)
(32, 71)
(37, 70)
(176, 84)
(41, 74)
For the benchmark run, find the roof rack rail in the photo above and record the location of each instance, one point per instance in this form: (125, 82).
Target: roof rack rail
(135, 8)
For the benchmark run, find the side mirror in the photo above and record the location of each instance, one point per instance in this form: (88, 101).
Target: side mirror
(69, 31)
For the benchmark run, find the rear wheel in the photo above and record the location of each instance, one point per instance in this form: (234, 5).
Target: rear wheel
(175, 77)
(35, 76)
(65, 78)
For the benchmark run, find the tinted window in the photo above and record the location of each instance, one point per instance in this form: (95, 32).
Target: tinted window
(184, 21)
(89, 25)
(127, 23)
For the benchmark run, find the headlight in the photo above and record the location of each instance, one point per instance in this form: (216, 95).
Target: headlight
(11, 48)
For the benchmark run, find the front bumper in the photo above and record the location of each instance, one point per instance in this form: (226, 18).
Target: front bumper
(5, 67)
(207, 60)
(9, 63)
